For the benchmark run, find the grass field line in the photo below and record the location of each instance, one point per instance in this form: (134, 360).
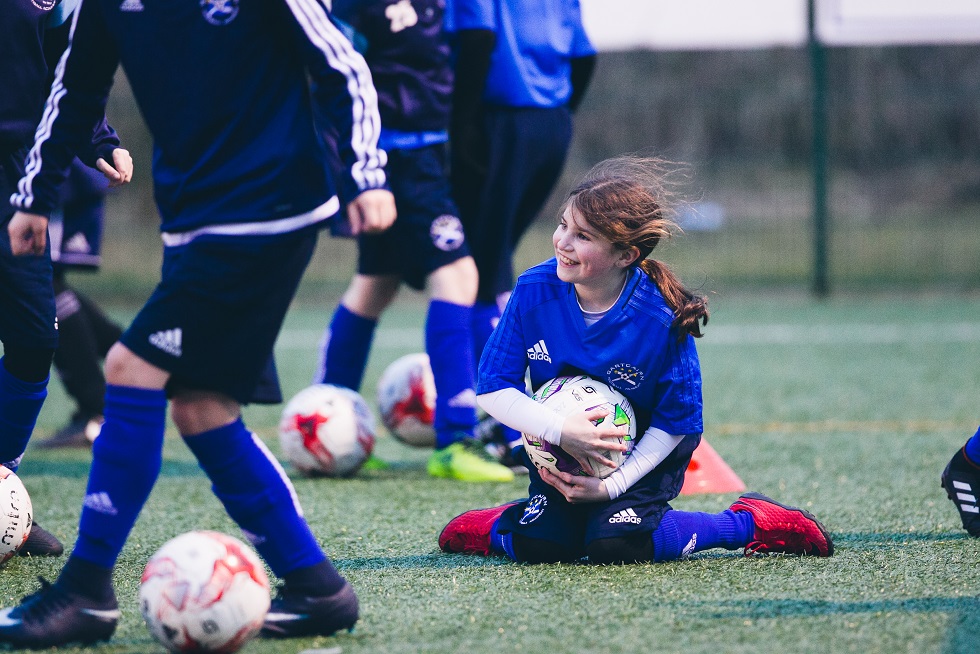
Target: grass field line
(775, 334)
(838, 426)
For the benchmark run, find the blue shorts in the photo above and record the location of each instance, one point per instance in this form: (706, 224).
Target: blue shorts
(547, 516)
(27, 309)
(427, 234)
(214, 317)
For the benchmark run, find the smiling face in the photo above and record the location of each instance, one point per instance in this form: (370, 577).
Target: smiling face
(588, 260)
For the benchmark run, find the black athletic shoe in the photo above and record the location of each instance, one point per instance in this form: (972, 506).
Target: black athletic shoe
(961, 479)
(81, 431)
(41, 542)
(52, 617)
(490, 432)
(292, 615)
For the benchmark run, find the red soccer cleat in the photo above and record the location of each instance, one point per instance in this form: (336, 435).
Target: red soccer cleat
(785, 529)
(469, 533)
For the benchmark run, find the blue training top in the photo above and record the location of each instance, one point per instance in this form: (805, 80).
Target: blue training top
(632, 348)
(224, 90)
(535, 43)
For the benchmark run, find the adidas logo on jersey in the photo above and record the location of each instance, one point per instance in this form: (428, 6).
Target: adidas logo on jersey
(168, 340)
(626, 515)
(131, 5)
(539, 352)
(100, 503)
(966, 498)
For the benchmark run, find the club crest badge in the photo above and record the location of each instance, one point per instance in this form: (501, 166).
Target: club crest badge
(534, 509)
(219, 12)
(624, 376)
(447, 233)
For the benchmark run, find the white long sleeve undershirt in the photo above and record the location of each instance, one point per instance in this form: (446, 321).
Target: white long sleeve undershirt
(518, 411)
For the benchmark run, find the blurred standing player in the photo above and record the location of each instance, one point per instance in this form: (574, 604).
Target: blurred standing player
(961, 479)
(522, 69)
(85, 332)
(31, 41)
(603, 309)
(407, 51)
(242, 188)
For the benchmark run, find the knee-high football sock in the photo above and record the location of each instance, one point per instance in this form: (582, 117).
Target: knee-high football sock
(448, 343)
(485, 317)
(126, 460)
(681, 533)
(972, 448)
(20, 404)
(345, 348)
(253, 488)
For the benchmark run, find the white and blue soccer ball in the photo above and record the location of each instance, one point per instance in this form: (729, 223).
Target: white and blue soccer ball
(407, 400)
(16, 514)
(574, 394)
(327, 431)
(204, 591)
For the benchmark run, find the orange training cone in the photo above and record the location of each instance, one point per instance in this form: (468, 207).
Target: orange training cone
(708, 473)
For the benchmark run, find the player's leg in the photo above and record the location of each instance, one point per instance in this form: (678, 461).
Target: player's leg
(346, 343)
(126, 461)
(28, 330)
(79, 364)
(961, 479)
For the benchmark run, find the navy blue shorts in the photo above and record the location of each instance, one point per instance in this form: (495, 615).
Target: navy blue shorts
(27, 309)
(427, 234)
(213, 319)
(547, 516)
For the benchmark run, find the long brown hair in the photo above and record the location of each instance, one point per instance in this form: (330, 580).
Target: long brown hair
(627, 200)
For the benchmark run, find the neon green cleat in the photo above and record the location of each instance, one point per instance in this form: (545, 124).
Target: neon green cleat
(467, 460)
(374, 463)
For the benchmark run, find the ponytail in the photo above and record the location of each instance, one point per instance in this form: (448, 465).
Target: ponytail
(690, 309)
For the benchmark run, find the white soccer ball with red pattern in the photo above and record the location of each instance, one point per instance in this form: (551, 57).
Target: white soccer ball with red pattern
(407, 400)
(16, 514)
(327, 430)
(204, 591)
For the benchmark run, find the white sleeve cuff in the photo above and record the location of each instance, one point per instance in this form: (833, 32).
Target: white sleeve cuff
(650, 450)
(518, 411)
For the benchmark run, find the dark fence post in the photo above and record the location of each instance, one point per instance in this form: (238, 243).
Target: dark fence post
(818, 70)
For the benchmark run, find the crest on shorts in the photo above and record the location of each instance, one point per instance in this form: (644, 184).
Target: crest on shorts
(44, 5)
(447, 233)
(219, 12)
(624, 376)
(534, 509)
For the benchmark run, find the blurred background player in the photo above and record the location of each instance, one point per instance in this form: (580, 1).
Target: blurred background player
(605, 310)
(522, 68)
(85, 332)
(961, 479)
(32, 37)
(406, 49)
(242, 188)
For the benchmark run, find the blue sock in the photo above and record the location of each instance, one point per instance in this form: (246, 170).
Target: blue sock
(20, 404)
(485, 317)
(682, 533)
(972, 448)
(258, 496)
(502, 544)
(345, 348)
(126, 460)
(448, 342)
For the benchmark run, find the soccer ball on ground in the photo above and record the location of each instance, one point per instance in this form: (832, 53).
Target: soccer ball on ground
(568, 395)
(204, 591)
(327, 430)
(407, 400)
(17, 515)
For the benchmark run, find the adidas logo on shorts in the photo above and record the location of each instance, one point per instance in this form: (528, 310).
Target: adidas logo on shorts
(539, 352)
(167, 340)
(626, 515)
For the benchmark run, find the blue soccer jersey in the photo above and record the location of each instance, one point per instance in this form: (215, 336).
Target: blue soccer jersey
(237, 156)
(632, 348)
(535, 43)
